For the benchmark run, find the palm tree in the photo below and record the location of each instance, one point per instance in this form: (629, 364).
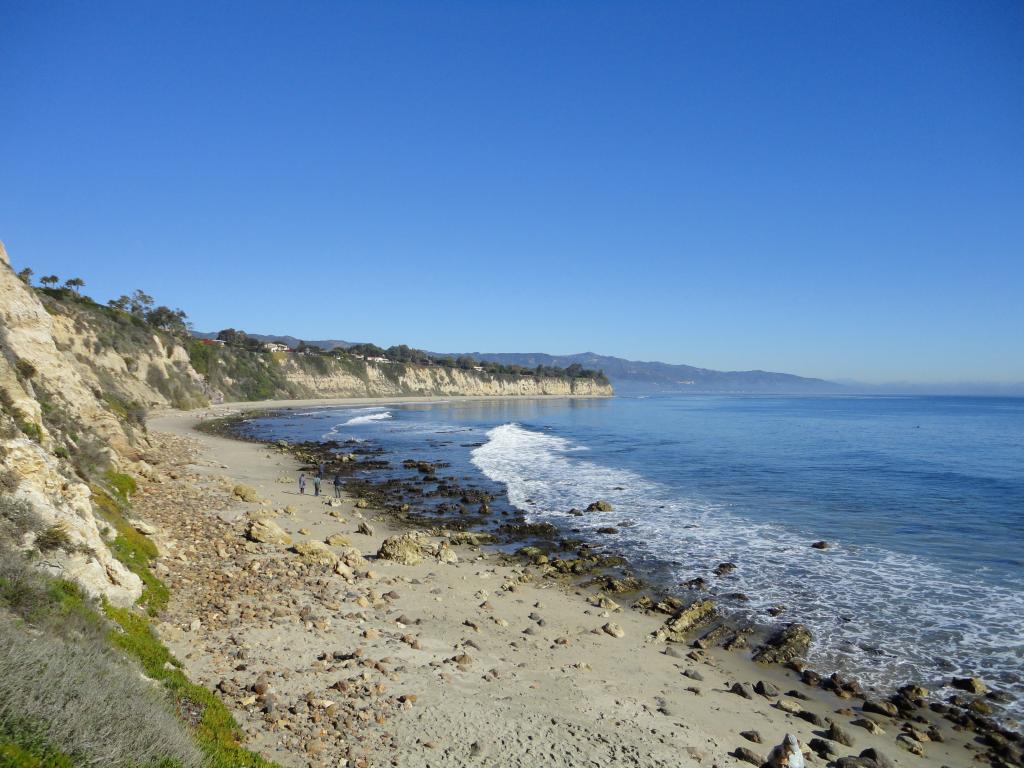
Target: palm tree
(74, 284)
(26, 275)
(49, 280)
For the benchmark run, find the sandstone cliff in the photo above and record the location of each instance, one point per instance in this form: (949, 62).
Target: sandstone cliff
(76, 379)
(392, 379)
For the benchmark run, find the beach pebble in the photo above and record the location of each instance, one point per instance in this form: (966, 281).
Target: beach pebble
(869, 725)
(880, 707)
(743, 689)
(835, 733)
(766, 689)
(613, 629)
(880, 758)
(364, 528)
(912, 745)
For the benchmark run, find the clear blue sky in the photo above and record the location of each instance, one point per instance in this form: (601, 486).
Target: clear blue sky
(824, 188)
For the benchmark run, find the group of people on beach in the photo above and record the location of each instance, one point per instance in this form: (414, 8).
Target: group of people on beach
(318, 479)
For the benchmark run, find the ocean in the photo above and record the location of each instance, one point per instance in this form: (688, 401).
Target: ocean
(921, 500)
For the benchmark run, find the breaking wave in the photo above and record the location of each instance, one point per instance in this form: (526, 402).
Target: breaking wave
(885, 617)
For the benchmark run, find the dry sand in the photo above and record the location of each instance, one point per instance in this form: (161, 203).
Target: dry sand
(491, 670)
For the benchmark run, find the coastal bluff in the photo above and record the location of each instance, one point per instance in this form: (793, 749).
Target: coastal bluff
(384, 380)
(78, 378)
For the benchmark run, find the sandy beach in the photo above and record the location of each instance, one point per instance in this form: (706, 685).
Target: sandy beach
(346, 658)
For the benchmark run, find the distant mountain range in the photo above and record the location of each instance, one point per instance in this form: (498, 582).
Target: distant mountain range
(627, 376)
(635, 377)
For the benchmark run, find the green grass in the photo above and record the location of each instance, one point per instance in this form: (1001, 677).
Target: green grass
(26, 747)
(217, 733)
(132, 548)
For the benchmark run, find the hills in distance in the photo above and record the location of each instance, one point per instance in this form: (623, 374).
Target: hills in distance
(627, 376)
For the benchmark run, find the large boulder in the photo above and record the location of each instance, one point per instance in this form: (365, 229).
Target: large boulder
(600, 506)
(406, 549)
(266, 531)
(315, 553)
(791, 642)
(685, 621)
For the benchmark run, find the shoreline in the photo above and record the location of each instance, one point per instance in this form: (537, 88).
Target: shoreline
(665, 704)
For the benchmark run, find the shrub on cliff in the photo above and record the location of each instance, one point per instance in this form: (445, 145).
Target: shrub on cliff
(66, 696)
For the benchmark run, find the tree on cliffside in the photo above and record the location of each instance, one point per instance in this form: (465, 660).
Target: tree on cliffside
(167, 319)
(26, 275)
(49, 280)
(74, 283)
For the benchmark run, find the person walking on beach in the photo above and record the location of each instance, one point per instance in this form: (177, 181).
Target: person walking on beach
(302, 483)
(316, 485)
(337, 485)
(320, 470)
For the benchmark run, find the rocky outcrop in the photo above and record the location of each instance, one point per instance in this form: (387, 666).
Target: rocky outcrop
(34, 477)
(789, 643)
(693, 616)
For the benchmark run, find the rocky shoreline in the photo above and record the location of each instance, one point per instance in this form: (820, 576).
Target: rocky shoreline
(366, 631)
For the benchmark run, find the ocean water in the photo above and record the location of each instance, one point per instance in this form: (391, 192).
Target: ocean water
(920, 498)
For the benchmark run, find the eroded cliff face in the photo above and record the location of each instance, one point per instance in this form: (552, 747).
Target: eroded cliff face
(75, 382)
(392, 380)
(37, 380)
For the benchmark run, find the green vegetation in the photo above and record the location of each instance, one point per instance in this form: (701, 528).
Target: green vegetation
(132, 548)
(216, 731)
(68, 695)
(71, 692)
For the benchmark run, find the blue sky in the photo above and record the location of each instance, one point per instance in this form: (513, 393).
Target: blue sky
(825, 188)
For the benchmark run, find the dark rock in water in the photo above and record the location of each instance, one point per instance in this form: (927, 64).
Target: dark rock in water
(743, 689)
(810, 678)
(766, 689)
(878, 756)
(608, 530)
(697, 583)
(748, 756)
(600, 506)
(724, 568)
(838, 734)
(820, 545)
(969, 684)
(753, 736)
(791, 642)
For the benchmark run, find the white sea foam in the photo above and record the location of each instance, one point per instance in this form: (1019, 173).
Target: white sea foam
(366, 416)
(883, 616)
